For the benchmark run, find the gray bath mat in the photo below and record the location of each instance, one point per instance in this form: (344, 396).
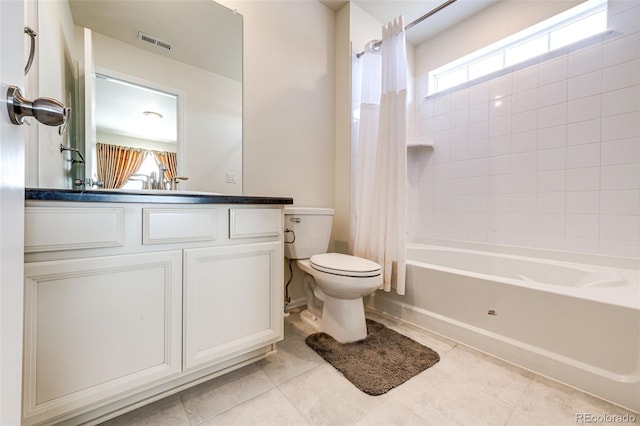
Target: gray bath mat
(380, 362)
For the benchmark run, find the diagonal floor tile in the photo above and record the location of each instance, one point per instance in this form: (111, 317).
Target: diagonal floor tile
(293, 357)
(547, 402)
(466, 387)
(222, 393)
(165, 412)
(490, 375)
(325, 397)
(268, 409)
(442, 399)
(391, 413)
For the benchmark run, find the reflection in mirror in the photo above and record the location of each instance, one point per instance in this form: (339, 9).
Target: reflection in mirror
(203, 67)
(126, 109)
(139, 125)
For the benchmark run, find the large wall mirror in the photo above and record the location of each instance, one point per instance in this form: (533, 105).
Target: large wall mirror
(155, 77)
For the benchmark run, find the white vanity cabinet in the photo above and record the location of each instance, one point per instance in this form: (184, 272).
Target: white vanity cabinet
(228, 300)
(154, 299)
(99, 326)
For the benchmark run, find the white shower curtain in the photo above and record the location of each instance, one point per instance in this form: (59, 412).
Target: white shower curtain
(381, 160)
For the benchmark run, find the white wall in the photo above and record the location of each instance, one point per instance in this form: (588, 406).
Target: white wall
(212, 134)
(364, 28)
(342, 156)
(289, 104)
(289, 100)
(554, 165)
(46, 166)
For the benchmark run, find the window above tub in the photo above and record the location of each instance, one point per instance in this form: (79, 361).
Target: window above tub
(575, 24)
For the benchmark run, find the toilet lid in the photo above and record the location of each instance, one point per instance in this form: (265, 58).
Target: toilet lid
(345, 265)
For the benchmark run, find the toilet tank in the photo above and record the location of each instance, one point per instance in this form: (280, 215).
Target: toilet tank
(309, 231)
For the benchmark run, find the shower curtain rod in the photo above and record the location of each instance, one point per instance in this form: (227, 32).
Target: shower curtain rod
(416, 22)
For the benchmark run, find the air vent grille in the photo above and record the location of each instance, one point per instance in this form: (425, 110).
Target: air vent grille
(163, 44)
(149, 39)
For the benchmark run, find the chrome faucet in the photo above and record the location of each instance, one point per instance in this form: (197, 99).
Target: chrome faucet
(145, 179)
(173, 185)
(153, 180)
(162, 180)
(158, 180)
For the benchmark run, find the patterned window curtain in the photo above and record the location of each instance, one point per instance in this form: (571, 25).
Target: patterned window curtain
(116, 163)
(170, 159)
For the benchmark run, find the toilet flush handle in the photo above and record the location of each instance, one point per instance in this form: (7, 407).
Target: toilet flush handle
(286, 231)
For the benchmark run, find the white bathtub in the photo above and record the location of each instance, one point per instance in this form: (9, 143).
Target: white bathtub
(575, 322)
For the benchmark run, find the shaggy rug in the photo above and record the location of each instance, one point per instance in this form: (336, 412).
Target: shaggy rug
(378, 363)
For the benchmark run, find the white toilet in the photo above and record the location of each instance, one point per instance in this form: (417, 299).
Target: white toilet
(334, 283)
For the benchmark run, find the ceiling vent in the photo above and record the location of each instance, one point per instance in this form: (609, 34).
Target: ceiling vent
(149, 39)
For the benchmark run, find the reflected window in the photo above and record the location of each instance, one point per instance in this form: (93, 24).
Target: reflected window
(134, 168)
(140, 179)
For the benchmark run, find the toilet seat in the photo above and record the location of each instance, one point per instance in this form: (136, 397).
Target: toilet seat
(344, 265)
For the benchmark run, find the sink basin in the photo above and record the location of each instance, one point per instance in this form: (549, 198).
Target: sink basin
(158, 192)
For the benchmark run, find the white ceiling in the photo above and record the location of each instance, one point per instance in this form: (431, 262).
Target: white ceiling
(120, 108)
(201, 33)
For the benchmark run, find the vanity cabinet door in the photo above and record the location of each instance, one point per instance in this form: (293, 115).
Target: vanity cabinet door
(232, 301)
(98, 327)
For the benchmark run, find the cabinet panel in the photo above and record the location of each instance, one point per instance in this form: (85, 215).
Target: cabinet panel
(179, 225)
(232, 300)
(67, 228)
(99, 326)
(250, 223)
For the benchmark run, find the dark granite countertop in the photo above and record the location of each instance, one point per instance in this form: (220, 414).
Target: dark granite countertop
(164, 197)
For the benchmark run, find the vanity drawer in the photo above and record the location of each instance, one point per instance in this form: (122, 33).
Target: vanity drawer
(64, 228)
(178, 225)
(251, 223)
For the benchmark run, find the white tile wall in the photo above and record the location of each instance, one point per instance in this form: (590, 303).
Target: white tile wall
(547, 156)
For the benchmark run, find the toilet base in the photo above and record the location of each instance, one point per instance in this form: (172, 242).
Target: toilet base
(311, 320)
(343, 319)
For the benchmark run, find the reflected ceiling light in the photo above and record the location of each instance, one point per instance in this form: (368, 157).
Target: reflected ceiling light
(152, 114)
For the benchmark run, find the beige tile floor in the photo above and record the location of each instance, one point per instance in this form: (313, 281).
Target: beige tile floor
(297, 387)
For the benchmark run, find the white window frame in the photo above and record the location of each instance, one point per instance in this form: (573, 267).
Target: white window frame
(464, 69)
